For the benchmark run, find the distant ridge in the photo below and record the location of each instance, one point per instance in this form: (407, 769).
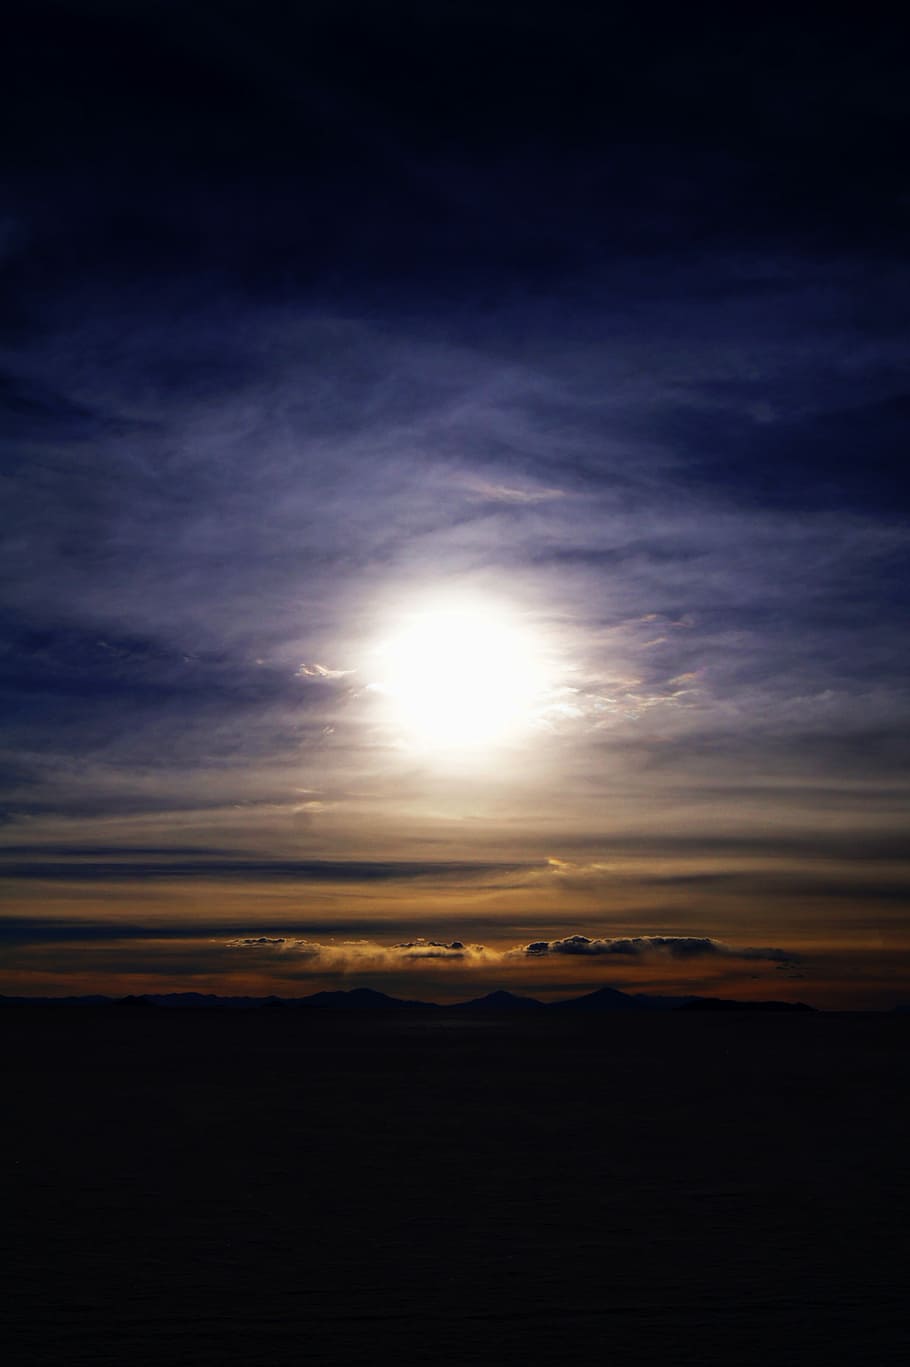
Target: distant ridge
(500, 1001)
(611, 999)
(358, 999)
(725, 1004)
(197, 1001)
(604, 999)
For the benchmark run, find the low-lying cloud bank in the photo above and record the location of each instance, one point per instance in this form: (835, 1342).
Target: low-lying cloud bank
(676, 946)
(353, 952)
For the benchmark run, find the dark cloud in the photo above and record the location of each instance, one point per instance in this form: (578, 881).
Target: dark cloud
(24, 930)
(48, 851)
(37, 930)
(675, 946)
(252, 942)
(255, 870)
(852, 846)
(455, 945)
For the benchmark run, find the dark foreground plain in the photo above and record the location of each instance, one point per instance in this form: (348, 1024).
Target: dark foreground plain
(276, 1188)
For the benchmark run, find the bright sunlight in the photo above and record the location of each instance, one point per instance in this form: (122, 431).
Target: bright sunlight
(460, 677)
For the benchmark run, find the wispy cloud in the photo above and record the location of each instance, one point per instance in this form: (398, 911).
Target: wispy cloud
(316, 671)
(510, 493)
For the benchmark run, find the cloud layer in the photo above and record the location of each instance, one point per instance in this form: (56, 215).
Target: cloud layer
(675, 946)
(353, 952)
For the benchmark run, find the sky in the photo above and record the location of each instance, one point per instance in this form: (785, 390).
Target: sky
(454, 518)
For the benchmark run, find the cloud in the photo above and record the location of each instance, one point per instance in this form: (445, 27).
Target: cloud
(255, 941)
(506, 493)
(352, 952)
(257, 870)
(43, 929)
(385, 460)
(315, 671)
(369, 954)
(674, 946)
(57, 930)
(437, 949)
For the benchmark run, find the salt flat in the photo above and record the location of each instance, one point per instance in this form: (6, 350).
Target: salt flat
(269, 1188)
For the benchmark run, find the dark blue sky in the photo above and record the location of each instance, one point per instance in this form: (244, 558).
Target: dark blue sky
(316, 317)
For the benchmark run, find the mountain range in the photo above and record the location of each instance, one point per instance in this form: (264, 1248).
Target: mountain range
(604, 999)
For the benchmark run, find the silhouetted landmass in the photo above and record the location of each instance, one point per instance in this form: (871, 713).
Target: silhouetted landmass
(358, 999)
(495, 1187)
(500, 1001)
(725, 1004)
(205, 1001)
(612, 999)
(604, 999)
(369, 999)
(89, 1000)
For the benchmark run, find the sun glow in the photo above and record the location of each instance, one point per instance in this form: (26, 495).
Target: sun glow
(458, 678)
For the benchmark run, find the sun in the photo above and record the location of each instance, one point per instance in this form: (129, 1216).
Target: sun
(460, 677)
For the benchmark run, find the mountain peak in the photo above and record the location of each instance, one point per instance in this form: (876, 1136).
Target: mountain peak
(357, 999)
(501, 1001)
(602, 999)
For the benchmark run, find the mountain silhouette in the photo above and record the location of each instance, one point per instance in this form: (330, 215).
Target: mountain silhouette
(500, 1001)
(611, 999)
(728, 1004)
(205, 1001)
(359, 999)
(604, 999)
